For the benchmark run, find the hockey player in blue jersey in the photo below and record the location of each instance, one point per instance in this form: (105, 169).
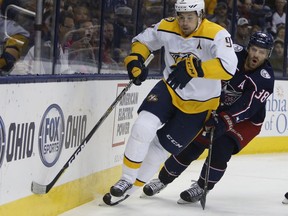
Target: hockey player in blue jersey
(198, 55)
(238, 120)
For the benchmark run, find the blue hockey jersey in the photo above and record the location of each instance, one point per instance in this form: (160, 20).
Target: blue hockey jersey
(245, 95)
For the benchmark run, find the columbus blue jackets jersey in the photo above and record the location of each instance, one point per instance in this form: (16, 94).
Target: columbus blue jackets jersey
(211, 43)
(245, 95)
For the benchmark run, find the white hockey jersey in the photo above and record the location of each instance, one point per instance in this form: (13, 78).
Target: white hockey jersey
(12, 28)
(211, 43)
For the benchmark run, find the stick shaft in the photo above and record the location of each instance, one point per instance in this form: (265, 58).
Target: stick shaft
(208, 163)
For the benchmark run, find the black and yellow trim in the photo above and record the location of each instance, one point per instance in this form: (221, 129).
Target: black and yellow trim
(141, 49)
(131, 164)
(192, 106)
(94, 186)
(213, 69)
(139, 183)
(207, 30)
(13, 42)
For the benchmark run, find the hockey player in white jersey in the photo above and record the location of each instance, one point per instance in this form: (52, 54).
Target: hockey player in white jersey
(236, 122)
(12, 42)
(198, 55)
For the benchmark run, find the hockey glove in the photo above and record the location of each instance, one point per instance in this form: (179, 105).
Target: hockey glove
(221, 123)
(7, 61)
(184, 71)
(203, 138)
(136, 68)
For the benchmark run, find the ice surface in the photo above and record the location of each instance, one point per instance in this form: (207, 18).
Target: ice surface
(253, 185)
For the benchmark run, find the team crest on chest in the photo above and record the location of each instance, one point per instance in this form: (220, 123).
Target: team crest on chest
(231, 94)
(180, 56)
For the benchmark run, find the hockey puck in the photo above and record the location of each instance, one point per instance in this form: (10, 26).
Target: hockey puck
(286, 195)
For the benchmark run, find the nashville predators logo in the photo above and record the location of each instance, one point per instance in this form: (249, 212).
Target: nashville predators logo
(152, 98)
(180, 56)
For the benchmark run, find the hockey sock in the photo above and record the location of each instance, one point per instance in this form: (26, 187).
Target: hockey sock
(221, 153)
(214, 176)
(175, 165)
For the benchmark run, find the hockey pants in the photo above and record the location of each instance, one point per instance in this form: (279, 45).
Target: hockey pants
(222, 149)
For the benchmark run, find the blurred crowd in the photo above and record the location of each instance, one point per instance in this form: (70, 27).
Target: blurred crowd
(90, 32)
(251, 16)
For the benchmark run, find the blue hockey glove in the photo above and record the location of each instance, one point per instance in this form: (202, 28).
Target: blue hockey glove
(136, 68)
(184, 71)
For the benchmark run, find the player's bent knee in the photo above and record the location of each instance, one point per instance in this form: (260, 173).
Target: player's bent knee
(158, 152)
(145, 127)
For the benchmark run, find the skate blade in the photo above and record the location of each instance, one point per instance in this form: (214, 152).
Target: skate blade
(285, 201)
(183, 202)
(102, 204)
(143, 195)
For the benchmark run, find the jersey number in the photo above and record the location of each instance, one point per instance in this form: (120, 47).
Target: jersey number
(262, 96)
(228, 41)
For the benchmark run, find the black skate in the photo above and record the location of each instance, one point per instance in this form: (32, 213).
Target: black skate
(110, 200)
(191, 195)
(153, 187)
(285, 201)
(120, 188)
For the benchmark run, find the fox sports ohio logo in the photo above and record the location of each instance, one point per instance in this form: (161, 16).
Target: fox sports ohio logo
(51, 135)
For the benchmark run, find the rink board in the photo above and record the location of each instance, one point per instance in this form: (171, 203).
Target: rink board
(80, 191)
(25, 111)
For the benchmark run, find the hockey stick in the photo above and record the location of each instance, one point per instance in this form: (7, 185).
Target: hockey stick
(108, 199)
(43, 189)
(203, 197)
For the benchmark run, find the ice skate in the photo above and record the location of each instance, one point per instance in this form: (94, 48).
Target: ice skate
(285, 201)
(153, 187)
(117, 193)
(111, 200)
(191, 195)
(119, 189)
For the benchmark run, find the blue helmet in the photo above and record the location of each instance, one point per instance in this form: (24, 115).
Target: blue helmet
(262, 40)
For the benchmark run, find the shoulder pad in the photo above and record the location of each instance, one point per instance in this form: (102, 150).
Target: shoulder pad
(208, 30)
(169, 25)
